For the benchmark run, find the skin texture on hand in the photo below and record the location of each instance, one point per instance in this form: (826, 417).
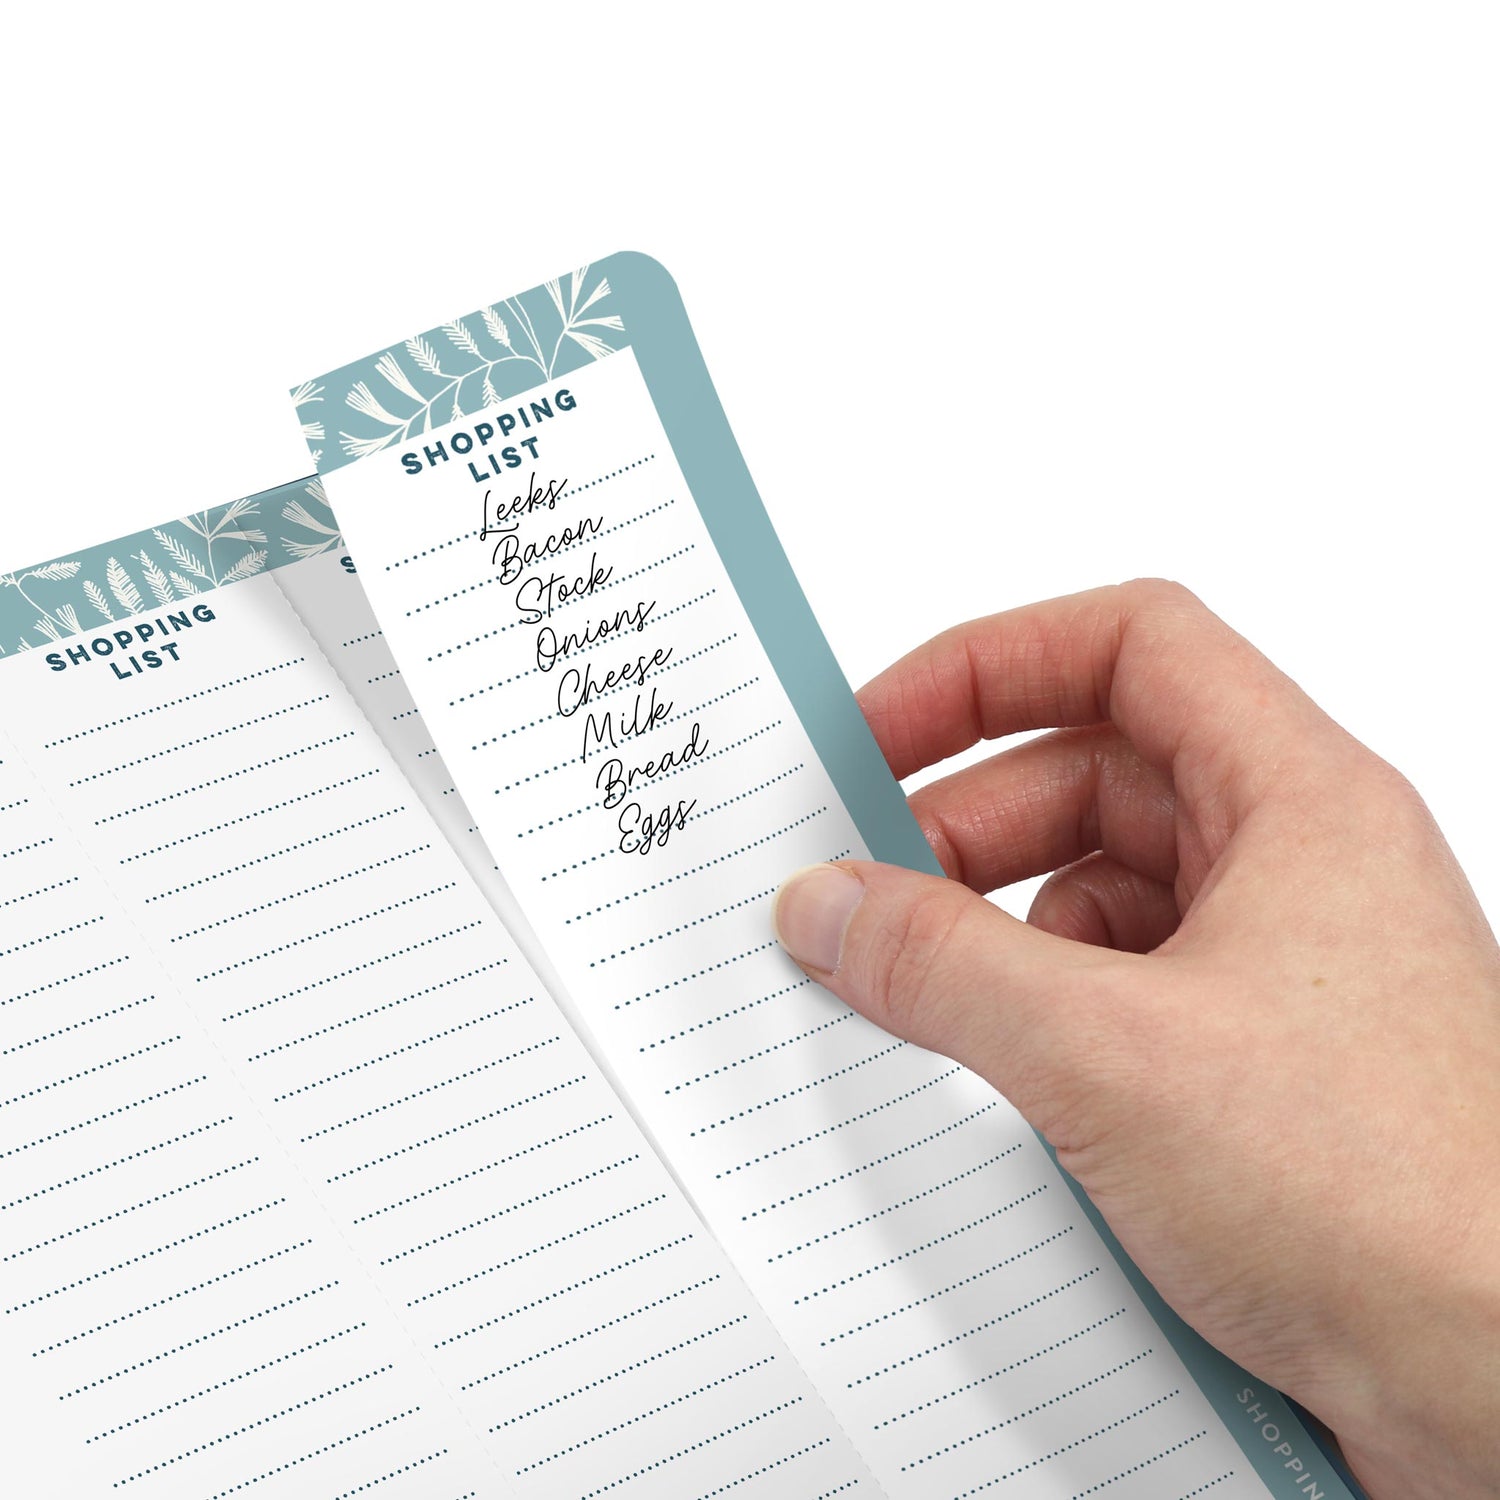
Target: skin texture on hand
(1256, 1010)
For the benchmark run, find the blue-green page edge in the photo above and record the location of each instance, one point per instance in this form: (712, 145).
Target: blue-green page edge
(678, 380)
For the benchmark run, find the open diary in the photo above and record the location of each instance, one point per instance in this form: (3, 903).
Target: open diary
(401, 1091)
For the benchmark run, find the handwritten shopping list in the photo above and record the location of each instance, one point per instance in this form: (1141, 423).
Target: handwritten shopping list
(565, 621)
(305, 1181)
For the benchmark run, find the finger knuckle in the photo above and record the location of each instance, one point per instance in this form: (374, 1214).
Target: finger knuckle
(906, 958)
(1165, 595)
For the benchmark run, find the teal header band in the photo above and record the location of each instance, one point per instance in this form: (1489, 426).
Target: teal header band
(459, 368)
(85, 590)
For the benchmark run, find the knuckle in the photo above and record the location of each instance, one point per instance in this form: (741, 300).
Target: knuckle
(1164, 595)
(906, 957)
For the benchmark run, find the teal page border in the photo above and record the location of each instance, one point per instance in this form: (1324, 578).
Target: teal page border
(678, 380)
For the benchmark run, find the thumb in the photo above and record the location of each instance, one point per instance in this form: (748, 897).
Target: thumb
(931, 961)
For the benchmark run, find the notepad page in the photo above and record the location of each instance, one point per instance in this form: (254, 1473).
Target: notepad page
(624, 743)
(326, 594)
(180, 1315)
(311, 1187)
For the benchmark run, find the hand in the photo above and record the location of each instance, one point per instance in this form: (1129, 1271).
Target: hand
(1256, 1010)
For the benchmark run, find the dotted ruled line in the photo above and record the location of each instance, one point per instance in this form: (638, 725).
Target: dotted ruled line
(56, 885)
(274, 1416)
(395, 1052)
(672, 984)
(333, 833)
(103, 1015)
(203, 739)
(1030, 1411)
(479, 1171)
(707, 864)
(119, 1161)
(250, 911)
(292, 1463)
(581, 650)
(630, 1369)
(52, 984)
(589, 1333)
(510, 1208)
(312, 937)
(879, 1161)
(431, 1088)
(229, 1380)
(186, 1239)
(573, 760)
(1015, 1364)
(345, 973)
(740, 1062)
(567, 493)
(562, 1239)
(1078, 1442)
(563, 1291)
(801, 1088)
(186, 1291)
(47, 937)
(365, 1015)
(683, 927)
(218, 687)
(26, 848)
(965, 1281)
(957, 1338)
(941, 1239)
(202, 1338)
(691, 1448)
(454, 1129)
(734, 1484)
(131, 1208)
(109, 1114)
(416, 1463)
(259, 812)
(816, 1135)
(723, 1015)
(189, 791)
(645, 1415)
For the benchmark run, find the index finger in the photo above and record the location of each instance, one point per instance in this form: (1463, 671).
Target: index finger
(1147, 656)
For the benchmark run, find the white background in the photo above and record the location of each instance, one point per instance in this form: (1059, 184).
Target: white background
(998, 308)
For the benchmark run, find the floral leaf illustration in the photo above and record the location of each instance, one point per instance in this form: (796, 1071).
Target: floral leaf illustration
(250, 563)
(96, 598)
(185, 586)
(69, 617)
(299, 515)
(182, 556)
(387, 367)
(593, 346)
(459, 335)
(496, 325)
(123, 587)
(157, 581)
(358, 447)
(425, 355)
(364, 401)
(221, 528)
(55, 571)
